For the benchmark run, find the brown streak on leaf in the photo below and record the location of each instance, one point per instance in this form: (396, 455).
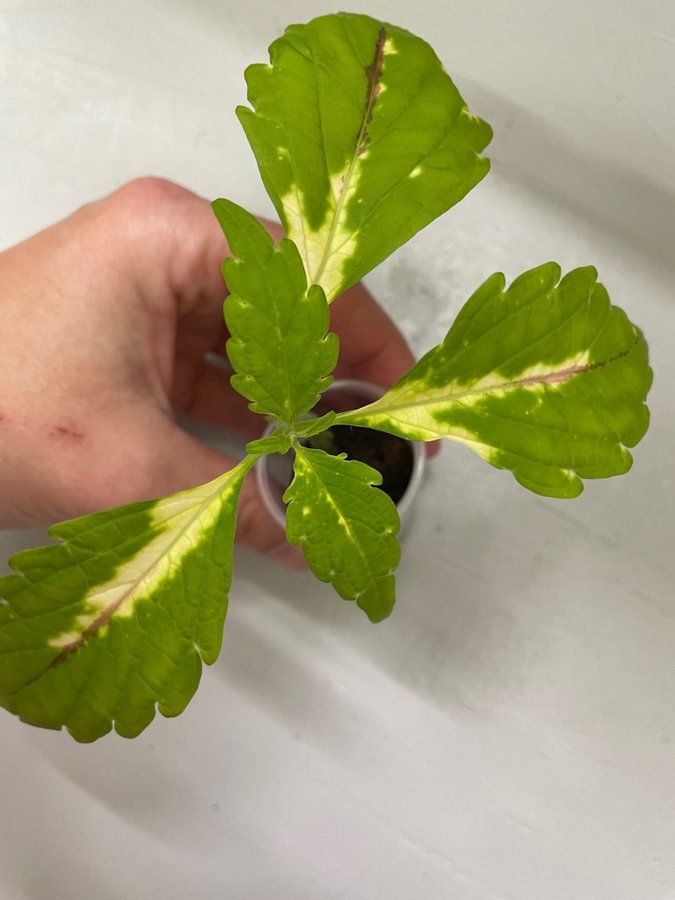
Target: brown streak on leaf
(565, 374)
(373, 73)
(88, 632)
(74, 646)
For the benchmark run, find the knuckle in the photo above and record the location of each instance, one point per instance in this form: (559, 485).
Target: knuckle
(147, 190)
(145, 203)
(139, 211)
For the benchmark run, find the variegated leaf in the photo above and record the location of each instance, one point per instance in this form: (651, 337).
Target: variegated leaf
(346, 527)
(361, 138)
(280, 348)
(114, 620)
(546, 379)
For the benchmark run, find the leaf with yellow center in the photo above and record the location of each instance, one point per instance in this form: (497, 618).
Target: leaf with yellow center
(361, 138)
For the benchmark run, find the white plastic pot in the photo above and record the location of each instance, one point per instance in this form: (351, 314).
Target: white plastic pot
(274, 472)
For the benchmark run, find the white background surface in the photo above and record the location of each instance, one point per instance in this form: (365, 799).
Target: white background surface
(510, 731)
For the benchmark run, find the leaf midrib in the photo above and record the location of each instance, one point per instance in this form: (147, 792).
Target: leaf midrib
(560, 376)
(106, 615)
(367, 116)
(329, 497)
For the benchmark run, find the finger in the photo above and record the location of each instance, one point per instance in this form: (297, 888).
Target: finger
(178, 229)
(371, 346)
(174, 461)
(209, 397)
(193, 464)
(256, 529)
(192, 246)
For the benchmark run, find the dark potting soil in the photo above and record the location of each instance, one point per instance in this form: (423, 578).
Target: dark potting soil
(390, 455)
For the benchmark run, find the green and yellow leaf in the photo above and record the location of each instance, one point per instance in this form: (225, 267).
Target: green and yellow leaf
(546, 378)
(280, 347)
(114, 620)
(346, 528)
(361, 138)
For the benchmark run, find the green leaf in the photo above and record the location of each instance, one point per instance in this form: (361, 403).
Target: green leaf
(313, 426)
(282, 441)
(346, 527)
(361, 139)
(111, 622)
(546, 379)
(280, 348)
(278, 442)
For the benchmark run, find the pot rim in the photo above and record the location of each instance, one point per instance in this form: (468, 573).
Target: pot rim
(369, 392)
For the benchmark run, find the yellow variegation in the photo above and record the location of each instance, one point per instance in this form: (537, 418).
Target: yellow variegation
(113, 622)
(346, 528)
(546, 378)
(362, 139)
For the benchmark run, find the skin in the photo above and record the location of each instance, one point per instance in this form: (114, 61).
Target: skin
(106, 319)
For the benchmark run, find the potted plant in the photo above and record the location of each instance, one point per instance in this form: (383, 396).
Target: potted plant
(362, 139)
(400, 462)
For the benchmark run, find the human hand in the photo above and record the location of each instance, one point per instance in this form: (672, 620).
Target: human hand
(106, 320)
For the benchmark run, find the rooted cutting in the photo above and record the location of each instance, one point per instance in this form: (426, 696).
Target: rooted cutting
(361, 139)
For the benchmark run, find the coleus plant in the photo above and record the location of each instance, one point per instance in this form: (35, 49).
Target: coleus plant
(361, 139)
